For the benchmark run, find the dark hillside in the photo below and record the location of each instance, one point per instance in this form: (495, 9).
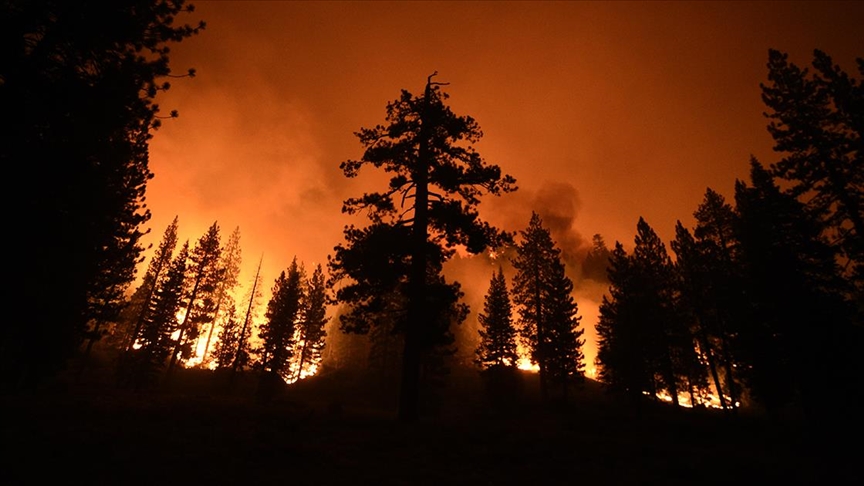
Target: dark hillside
(340, 429)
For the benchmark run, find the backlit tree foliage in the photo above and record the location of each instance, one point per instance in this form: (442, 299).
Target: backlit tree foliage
(310, 329)
(204, 274)
(497, 333)
(711, 286)
(284, 313)
(231, 334)
(139, 303)
(645, 344)
(436, 183)
(817, 122)
(81, 79)
(230, 257)
(548, 314)
(799, 340)
(155, 343)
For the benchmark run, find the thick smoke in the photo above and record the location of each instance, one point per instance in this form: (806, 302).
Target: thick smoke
(558, 205)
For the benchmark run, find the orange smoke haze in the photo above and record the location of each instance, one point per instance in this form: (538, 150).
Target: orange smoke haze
(602, 111)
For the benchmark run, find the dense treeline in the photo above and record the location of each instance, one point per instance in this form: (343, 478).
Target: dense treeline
(760, 303)
(81, 81)
(764, 301)
(85, 80)
(393, 267)
(184, 313)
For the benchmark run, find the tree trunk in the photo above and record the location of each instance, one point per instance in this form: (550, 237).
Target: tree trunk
(302, 358)
(730, 379)
(240, 338)
(712, 365)
(213, 324)
(541, 343)
(183, 326)
(145, 306)
(417, 318)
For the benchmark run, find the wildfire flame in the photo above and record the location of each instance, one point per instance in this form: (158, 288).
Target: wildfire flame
(710, 400)
(524, 361)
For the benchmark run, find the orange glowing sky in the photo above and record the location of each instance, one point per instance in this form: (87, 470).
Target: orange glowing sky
(602, 111)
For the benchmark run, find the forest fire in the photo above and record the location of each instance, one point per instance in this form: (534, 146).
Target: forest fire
(707, 400)
(525, 364)
(309, 125)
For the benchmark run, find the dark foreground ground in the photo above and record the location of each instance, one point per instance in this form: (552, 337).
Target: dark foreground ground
(341, 430)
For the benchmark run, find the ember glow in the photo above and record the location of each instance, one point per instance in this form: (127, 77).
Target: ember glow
(524, 362)
(710, 400)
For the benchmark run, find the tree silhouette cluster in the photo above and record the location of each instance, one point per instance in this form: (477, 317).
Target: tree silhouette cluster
(497, 333)
(81, 81)
(292, 336)
(179, 296)
(186, 299)
(548, 323)
(393, 267)
(764, 300)
(762, 303)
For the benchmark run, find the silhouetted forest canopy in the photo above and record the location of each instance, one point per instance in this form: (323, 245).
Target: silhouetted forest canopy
(746, 327)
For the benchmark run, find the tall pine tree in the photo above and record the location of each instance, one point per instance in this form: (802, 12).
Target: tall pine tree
(310, 330)
(228, 274)
(799, 341)
(497, 333)
(548, 314)
(243, 347)
(284, 312)
(645, 344)
(204, 276)
(438, 174)
(817, 122)
(622, 360)
(711, 289)
(155, 343)
(231, 335)
(84, 78)
(139, 303)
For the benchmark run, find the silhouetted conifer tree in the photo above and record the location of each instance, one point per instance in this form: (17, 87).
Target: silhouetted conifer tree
(645, 344)
(204, 277)
(440, 176)
(228, 274)
(139, 302)
(596, 262)
(310, 330)
(669, 342)
(548, 320)
(160, 322)
(622, 360)
(82, 78)
(497, 333)
(691, 278)
(231, 335)
(817, 122)
(243, 348)
(799, 342)
(566, 362)
(284, 312)
(711, 289)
